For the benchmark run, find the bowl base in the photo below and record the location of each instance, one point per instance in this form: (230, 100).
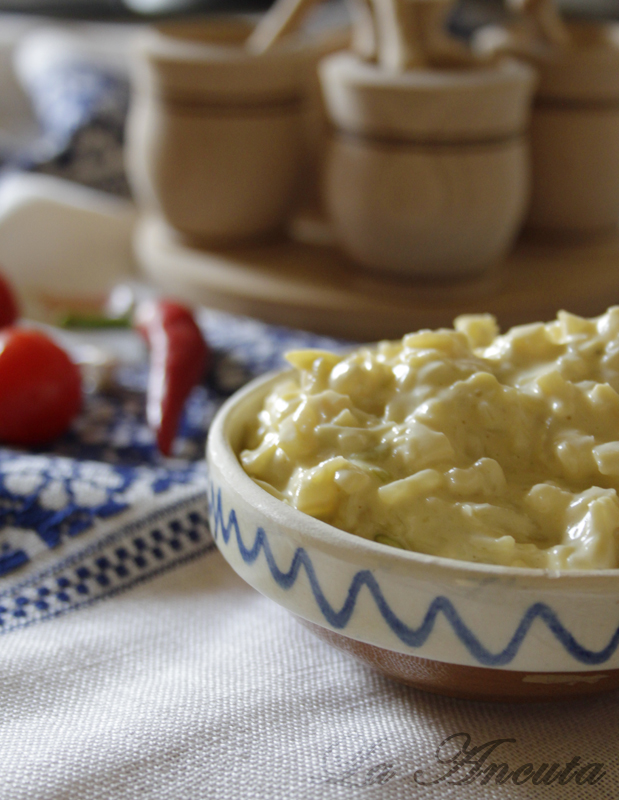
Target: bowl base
(470, 683)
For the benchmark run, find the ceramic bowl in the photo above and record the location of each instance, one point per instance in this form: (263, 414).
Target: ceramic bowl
(466, 630)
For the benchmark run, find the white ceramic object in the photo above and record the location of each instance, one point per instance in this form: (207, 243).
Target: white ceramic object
(575, 133)
(428, 173)
(215, 134)
(62, 245)
(457, 628)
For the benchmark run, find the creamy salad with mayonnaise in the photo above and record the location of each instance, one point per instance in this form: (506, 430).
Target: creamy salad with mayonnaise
(458, 443)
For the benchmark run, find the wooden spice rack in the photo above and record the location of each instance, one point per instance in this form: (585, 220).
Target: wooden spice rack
(315, 287)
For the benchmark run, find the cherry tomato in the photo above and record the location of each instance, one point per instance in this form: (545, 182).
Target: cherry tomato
(9, 312)
(40, 388)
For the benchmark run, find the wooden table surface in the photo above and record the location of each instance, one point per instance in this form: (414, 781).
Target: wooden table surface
(317, 288)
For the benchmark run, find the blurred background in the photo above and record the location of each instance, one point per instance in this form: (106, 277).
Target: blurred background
(471, 11)
(65, 91)
(46, 100)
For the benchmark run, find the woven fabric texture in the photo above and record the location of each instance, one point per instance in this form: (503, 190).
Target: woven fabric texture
(194, 686)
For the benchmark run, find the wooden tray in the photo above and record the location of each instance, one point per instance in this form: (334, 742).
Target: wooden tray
(316, 288)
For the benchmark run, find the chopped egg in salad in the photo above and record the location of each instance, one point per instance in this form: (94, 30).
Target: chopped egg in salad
(461, 443)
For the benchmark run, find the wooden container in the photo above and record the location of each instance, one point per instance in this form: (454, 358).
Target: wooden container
(215, 135)
(428, 170)
(575, 134)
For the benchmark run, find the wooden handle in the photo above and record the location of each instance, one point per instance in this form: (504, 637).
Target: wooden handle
(400, 34)
(399, 42)
(441, 48)
(412, 34)
(281, 19)
(547, 19)
(364, 35)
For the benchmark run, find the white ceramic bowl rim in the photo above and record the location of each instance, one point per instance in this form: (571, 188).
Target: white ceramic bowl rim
(349, 547)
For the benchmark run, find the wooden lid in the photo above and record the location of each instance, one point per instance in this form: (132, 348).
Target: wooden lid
(427, 104)
(208, 59)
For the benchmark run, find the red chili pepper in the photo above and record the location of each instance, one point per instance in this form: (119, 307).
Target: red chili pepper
(40, 388)
(179, 357)
(9, 310)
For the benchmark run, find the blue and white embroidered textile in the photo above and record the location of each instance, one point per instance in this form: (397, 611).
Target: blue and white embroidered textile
(77, 82)
(104, 510)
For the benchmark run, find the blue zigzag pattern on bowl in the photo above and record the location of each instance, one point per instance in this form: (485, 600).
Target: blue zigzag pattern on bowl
(413, 637)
